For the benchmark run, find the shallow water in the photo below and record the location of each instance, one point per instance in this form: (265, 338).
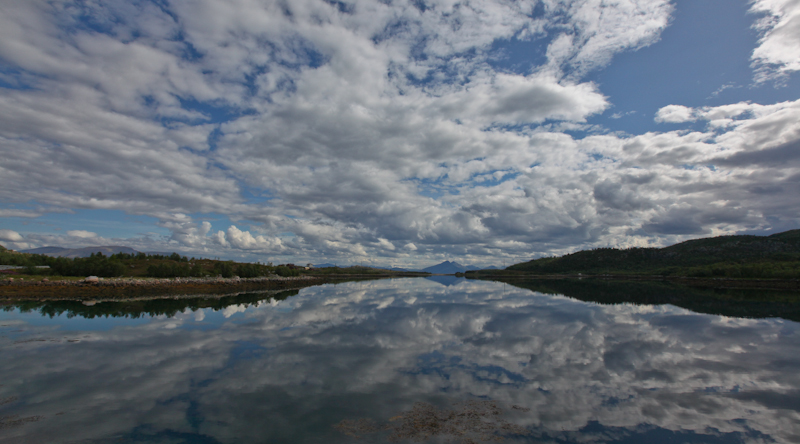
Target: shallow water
(396, 360)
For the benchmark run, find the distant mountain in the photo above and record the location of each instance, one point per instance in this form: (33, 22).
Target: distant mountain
(50, 251)
(448, 267)
(80, 252)
(323, 265)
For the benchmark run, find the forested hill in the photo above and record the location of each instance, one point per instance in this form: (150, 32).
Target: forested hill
(777, 256)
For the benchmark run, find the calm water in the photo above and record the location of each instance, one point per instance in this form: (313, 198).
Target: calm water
(396, 359)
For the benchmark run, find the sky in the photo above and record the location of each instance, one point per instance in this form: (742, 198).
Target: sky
(396, 132)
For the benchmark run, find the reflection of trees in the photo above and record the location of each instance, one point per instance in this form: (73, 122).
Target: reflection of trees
(743, 303)
(146, 307)
(469, 422)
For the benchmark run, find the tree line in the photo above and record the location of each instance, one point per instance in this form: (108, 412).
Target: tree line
(151, 265)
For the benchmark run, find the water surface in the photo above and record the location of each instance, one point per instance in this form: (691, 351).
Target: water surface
(361, 357)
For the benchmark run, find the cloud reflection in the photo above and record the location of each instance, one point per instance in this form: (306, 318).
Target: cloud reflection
(289, 370)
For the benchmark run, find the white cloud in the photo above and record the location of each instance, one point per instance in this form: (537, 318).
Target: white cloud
(776, 54)
(509, 99)
(10, 235)
(81, 233)
(246, 241)
(675, 114)
(597, 30)
(20, 213)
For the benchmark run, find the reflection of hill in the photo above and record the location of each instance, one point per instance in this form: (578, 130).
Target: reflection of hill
(146, 307)
(745, 303)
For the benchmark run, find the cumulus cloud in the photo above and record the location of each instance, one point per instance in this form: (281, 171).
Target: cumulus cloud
(246, 241)
(675, 114)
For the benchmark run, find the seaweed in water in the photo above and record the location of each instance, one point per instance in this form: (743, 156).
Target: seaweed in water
(469, 422)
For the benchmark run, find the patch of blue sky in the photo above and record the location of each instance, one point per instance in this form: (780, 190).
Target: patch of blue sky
(702, 59)
(341, 6)
(251, 81)
(518, 56)
(492, 178)
(214, 112)
(255, 195)
(218, 221)
(433, 188)
(107, 19)
(89, 17)
(305, 55)
(392, 30)
(106, 223)
(447, 70)
(15, 78)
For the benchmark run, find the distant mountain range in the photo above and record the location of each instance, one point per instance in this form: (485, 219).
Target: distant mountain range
(80, 252)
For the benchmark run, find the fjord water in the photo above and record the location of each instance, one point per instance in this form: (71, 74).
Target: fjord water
(296, 368)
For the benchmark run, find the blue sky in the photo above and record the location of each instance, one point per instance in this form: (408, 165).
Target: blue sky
(396, 133)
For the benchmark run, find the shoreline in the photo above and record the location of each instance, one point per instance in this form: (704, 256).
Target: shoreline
(215, 287)
(137, 288)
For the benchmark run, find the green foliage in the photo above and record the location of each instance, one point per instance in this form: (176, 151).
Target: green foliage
(22, 260)
(285, 271)
(155, 265)
(94, 265)
(197, 271)
(169, 269)
(225, 269)
(252, 270)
